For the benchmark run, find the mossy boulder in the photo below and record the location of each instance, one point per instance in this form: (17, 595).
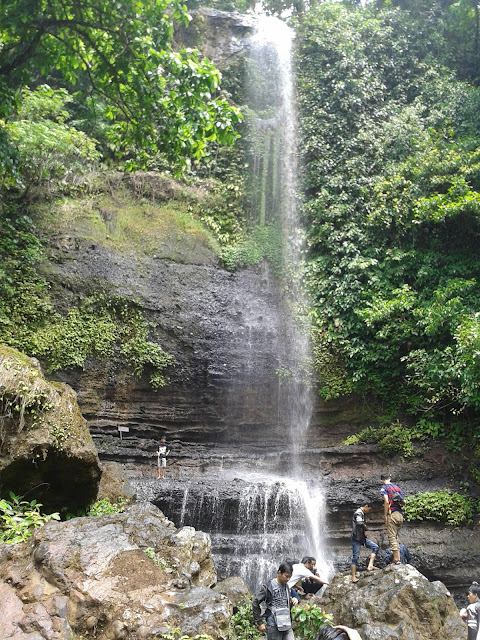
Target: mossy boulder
(46, 451)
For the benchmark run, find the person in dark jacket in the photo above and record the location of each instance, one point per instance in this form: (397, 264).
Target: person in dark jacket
(359, 539)
(276, 620)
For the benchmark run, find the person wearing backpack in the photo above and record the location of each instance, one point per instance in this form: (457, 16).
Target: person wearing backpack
(393, 502)
(276, 620)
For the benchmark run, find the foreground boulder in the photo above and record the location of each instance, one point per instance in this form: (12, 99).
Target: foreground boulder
(128, 575)
(235, 589)
(46, 451)
(397, 603)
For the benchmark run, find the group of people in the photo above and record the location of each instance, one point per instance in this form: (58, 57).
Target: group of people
(393, 501)
(295, 579)
(280, 593)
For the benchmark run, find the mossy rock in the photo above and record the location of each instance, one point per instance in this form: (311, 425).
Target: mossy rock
(46, 451)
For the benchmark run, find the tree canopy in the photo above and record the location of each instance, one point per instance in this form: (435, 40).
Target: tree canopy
(119, 59)
(391, 143)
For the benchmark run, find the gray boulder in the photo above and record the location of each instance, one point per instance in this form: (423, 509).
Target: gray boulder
(397, 603)
(126, 575)
(235, 589)
(46, 451)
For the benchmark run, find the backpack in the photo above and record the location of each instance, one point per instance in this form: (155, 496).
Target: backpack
(397, 499)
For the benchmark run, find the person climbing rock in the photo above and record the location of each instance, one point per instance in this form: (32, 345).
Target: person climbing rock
(405, 557)
(359, 539)
(162, 454)
(393, 501)
(276, 621)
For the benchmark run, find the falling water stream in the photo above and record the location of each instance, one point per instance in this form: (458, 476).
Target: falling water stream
(256, 514)
(271, 92)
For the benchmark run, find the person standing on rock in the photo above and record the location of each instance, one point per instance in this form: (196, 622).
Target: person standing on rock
(277, 620)
(393, 502)
(405, 557)
(162, 454)
(359, 539)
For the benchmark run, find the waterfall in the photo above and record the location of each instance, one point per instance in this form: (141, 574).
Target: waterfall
(271, 94)
(259, 500)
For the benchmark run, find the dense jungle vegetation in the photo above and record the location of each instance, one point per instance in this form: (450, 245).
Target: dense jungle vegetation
(389, 111)
(390, 122)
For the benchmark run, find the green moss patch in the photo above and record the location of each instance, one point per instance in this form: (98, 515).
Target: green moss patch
(123, 222)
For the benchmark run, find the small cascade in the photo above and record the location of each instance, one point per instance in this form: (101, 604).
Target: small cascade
(255, 521)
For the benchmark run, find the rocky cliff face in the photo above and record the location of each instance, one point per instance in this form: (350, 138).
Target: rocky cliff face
(223, 412)
(44, 441)
(397, 603)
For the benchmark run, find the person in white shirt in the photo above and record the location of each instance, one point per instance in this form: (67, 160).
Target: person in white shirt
(304, 572)
(162, 454)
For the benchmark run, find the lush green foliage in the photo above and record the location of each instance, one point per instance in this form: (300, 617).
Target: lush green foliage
(307, 619)
(393, 440)
(176, 634)
(443, 506)
(46, 146)
(454, 28)
(392, 175)
(261, 242)
(396, 439)
(222, 5)
(18, 519)
(152, 100)
(242, 625)
(105, 506)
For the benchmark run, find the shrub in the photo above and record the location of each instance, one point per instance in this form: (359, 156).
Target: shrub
(105, 506)
(262, 242)
(47, 146)
(307, 620)
(242, 625)
(396, 439)
(18, 519)
(176, 634)
(443, 506)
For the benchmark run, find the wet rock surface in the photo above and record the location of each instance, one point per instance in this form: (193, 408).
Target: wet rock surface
(226, 407)
(253, 512)
(220, 35)
(398, 603)
(92, 575)
(228, 335)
